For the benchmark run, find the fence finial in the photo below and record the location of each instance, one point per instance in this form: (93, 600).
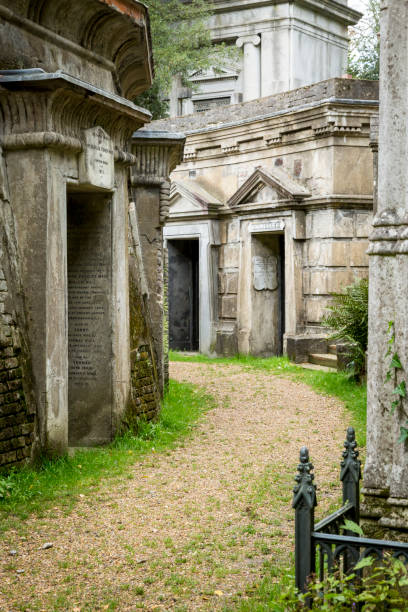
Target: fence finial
(350, 473)
(305, 490)
(350, 464)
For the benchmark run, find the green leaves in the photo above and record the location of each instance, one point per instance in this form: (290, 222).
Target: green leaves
(182, 45)
(400, 389)
(352, 526)
(403, 437)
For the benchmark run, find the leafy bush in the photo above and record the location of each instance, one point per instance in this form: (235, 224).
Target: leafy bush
(382, 587)
(348, 316)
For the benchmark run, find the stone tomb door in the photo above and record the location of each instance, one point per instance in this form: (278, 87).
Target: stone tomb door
(267, 294)
(89, 247)
(183, 294)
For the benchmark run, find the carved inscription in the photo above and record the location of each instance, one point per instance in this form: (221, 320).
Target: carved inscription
(89, 326)
(265, 271)
(96, 166)
(275, 225)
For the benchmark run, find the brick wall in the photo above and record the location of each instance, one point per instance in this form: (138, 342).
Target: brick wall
(16, 417)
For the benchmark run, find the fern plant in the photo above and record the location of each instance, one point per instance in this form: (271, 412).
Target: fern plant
(348, 317)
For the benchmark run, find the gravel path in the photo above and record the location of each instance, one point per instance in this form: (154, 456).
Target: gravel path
(192, 528)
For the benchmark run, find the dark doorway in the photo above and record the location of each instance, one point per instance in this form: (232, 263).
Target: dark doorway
(89, 319)
(183, 295)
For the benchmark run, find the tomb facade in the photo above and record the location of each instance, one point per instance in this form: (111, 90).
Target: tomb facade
(78, 348)
(270, 213)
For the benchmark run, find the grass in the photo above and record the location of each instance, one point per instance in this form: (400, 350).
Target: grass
(35, 489)
(335, 384)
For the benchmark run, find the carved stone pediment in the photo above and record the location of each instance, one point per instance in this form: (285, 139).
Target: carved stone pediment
(188, 197)
(264, 186)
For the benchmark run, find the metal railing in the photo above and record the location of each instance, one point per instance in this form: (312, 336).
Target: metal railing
(329, 543)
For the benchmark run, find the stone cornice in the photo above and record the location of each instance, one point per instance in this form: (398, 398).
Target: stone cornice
(114, 34)
(335, 9)
(46, 103)
(327, 120)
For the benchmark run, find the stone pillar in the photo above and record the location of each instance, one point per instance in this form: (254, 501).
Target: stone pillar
(385, 507)
(252, 67)
(157, 154)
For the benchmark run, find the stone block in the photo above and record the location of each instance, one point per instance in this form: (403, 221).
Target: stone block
(358, 253)
(229, 256)
(226, 344)
(338, 255)
(233, 231)
(221, 282)
(231, 282)
(299, 346)
(337, 280)
(306, 281)
(343, 224)
(363, 225)
(315, 309)
(223, 232)
(229, 306)
(318, 282)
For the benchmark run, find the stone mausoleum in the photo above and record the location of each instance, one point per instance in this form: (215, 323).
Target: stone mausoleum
(270, 213)
(74, 261)
(282, 45)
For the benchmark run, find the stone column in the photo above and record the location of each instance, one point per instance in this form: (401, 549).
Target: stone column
(385, 508)
(252, 67)
(157, 154)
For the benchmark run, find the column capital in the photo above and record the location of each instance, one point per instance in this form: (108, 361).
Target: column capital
(253, 40)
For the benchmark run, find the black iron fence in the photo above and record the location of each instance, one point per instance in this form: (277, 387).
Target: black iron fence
(329, 545)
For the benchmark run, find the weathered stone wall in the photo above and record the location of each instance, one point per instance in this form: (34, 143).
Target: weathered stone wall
(17, 410)
(347, 89)
(145, 383)
(335, 255)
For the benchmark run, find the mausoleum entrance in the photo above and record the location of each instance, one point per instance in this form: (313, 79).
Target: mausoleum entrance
(183, 294)
(267, 294)
(89, 255)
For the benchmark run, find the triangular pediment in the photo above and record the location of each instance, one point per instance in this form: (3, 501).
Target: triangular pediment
(264, 186)
(188, 197)
(213, 73)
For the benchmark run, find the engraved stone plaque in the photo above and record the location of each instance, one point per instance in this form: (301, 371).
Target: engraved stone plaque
(265, 270)
(89, 320)
(96, 163)
(275, 225)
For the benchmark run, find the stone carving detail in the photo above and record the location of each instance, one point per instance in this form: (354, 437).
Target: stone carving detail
(265, 271)
(390, 234)
(96, 164)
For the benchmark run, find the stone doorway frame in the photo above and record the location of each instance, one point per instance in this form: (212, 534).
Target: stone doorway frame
(207, 234)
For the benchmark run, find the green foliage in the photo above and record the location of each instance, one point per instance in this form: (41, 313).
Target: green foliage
(349, 318)
(381, 588)
(364, 47)
(400, 388)
(181, 43)
(62, 480)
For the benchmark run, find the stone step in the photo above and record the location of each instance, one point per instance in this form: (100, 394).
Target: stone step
(324, 359)
(332, 349)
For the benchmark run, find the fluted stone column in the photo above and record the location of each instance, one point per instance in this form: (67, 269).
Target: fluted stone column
(385, 508)
(252, 66)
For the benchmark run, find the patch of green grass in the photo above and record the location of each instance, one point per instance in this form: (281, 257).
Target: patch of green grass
(62, 480)
(335, 384)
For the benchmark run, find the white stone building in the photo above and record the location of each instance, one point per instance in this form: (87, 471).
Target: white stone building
(284, 45)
